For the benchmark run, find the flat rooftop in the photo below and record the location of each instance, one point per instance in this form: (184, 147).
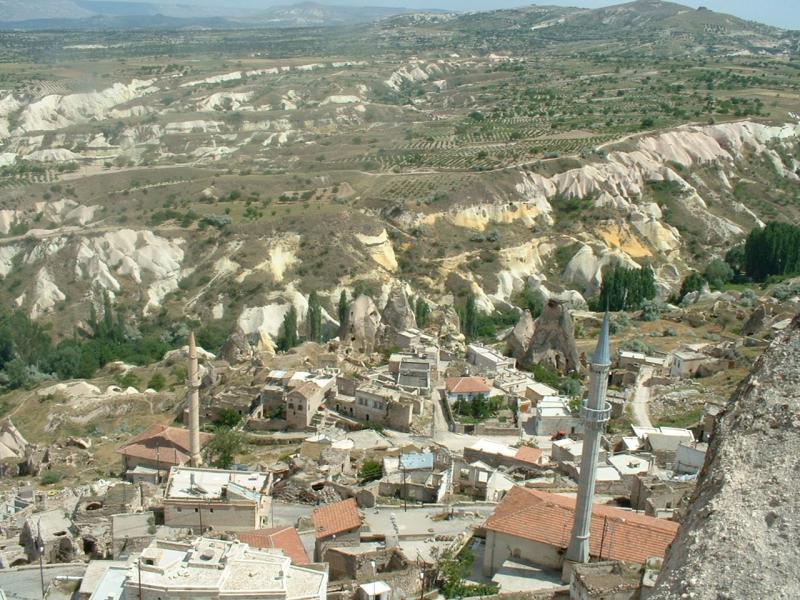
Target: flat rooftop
(213, 484)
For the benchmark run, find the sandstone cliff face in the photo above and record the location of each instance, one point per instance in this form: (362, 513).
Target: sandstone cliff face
(553, 342)
(364, 326)
(397, 315)
(741, 536)
(519, 340)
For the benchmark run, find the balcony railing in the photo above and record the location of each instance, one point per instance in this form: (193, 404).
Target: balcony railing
(595, 416)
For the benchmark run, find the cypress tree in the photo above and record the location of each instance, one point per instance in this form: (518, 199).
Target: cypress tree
(314, 318)
(287, 338)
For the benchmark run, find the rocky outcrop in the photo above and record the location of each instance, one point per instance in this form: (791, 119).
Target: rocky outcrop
(519, 340)
(364, 326)
(553, 342)
(740, 536)
(397, 314)
(236, 348)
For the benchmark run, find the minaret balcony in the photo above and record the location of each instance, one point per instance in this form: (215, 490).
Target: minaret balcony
(594, 416)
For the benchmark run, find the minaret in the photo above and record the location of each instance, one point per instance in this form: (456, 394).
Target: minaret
(193, 397)
(595, 413)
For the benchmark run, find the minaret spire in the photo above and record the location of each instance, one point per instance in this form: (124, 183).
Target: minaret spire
(595, 414)
(193, 397)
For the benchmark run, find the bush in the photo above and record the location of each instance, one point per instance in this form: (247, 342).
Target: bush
(371, 470)
(51, 477)
(157, 382)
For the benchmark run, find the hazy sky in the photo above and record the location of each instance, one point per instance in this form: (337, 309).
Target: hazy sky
(782, 13)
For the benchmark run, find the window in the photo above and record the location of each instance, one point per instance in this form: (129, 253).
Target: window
(196, 510)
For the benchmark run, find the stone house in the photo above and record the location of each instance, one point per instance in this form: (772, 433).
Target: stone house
(486, 360)
(393, 408)
(302, 403)
(216, 499)
(654, 495)
(336, 525)
(52, 531)
(157, 449)
(686, 363)
(285, 539)
(211, 568)
(609, 580)
(497, 455)
(466, 388)
(535, 527)
(481, 481)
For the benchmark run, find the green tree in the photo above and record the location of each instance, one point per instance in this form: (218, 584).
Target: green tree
(223, 449)
(773, 250)
(314, 318)
(227, 418)
(531, 300)
(469, 325)
(718, 273)
(342, 309)
(421, 312)
(625, 289)
(287, 338)
(17, 373)
(693, 282)
(371, 470)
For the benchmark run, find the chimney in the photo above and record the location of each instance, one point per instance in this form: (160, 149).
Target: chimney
(595, 413)
(193, 398)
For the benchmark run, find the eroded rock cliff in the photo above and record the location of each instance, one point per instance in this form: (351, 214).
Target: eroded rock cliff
(741, 536)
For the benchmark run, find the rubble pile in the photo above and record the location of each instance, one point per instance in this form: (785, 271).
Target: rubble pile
(739, 538)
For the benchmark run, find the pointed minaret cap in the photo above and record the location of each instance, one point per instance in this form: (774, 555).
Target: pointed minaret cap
(602, 353)
(192, 345)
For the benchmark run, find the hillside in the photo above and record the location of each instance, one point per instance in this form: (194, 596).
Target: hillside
(743, 517)
(183, 186)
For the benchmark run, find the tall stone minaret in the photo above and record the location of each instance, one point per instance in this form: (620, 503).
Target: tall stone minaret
(193, 397)
(594, 414)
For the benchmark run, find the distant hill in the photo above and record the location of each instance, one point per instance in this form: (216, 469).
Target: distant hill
(96, 14)
(313, 14)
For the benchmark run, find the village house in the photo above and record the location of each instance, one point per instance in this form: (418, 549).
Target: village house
(285, 539)
(216, 499)
(150, 455)
(687, 363)
(537, 391)
(374, 403)
(55, 532)
(466, 389)
(633, 361)
(568, 450)
(550, 416)
(659, 495)
(482, 482)
(497, 455)
(210, 568)
(415, 373)
(609, 580)
(335, 525)
(488, 361)
(535, 526)
(415, 478)
(302, 401)
(690, 457)
(411, 338)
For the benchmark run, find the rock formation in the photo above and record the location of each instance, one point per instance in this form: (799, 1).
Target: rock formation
(363, 326)
(236, 348)
(740, 536)
(757, 321)
(553, 342)
(398, 315)
(519, 340)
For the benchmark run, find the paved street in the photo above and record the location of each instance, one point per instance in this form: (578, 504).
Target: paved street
(641, 397)
(25, 583)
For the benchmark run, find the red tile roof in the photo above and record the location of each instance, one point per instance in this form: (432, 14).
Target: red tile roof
(467, 385)
(528, 455)
(548, 518)
(335, 518)
(169, 445)
(283, 538)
